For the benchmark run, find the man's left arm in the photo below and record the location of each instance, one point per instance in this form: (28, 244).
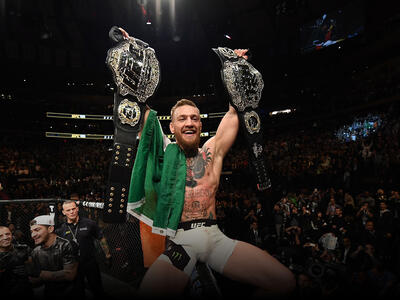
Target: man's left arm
(99, 235)
(104, 246)
(68, 273)
(226, 132)
(229, 126)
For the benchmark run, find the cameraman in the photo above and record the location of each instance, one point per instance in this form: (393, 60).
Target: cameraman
(364, 214)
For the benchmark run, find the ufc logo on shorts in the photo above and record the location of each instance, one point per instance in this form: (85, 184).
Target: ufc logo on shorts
(196, 225)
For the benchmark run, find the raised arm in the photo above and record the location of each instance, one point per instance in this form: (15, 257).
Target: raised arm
(229, 126)
(226, 133)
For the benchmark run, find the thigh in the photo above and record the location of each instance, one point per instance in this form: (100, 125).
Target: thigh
(222, 248)
(163, 279)
(254, 266)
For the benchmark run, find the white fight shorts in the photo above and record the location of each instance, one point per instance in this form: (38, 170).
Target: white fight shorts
(199, 241)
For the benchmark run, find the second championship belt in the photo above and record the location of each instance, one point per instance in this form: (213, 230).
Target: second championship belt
(244, 84)
(136, 74)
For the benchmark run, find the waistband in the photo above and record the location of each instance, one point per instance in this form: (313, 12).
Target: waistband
(196, 223)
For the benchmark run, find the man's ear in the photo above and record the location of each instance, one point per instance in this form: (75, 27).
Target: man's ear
(50, 229)
(171, 128)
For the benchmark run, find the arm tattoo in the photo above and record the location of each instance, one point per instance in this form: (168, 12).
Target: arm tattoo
(104, 246)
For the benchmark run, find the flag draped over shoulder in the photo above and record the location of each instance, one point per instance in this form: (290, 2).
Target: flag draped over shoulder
(157, 188)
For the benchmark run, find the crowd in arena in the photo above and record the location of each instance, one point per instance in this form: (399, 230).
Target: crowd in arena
(332, 215)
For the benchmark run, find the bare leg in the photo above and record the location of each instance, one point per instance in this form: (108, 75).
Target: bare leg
(163, 280)
(254, 266)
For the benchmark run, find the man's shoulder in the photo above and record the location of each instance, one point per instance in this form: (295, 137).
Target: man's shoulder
(61, 226)
(37, 249)
(209, 143)
(86, 221)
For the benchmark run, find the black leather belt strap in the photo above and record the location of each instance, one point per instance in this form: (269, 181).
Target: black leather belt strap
(123, 156)
(252, 127)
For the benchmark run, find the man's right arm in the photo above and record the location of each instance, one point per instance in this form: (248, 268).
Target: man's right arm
(146, 114)
(67, 274)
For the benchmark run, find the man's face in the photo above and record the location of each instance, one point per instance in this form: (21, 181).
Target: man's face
(254, 225)
(369, 226)
(5, 238)
(186, 126)
(40, 233)
(70, 210)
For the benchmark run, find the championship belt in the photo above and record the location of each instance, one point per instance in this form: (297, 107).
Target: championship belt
(136, 74)
(244, 85)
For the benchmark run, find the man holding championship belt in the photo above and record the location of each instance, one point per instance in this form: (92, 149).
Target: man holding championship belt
(173, 188)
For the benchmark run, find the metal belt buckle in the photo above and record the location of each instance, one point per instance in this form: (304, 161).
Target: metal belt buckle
(135, 68)
(243, 82)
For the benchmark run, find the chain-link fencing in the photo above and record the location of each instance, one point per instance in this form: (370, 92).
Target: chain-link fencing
(123, 239)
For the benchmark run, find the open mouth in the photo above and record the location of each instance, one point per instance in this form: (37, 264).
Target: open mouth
(189, 133)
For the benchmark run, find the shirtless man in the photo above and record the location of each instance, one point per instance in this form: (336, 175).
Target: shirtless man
(198, 237)
(235, 259)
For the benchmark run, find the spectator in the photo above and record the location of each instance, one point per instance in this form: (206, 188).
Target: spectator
(260, 215)
(331, 209)
(14, 259)
(55, 257)
(255, 237)
(345, 250)
(278, 220)
(368, 234)
(364, 214)
(349, 205)
(385, 227)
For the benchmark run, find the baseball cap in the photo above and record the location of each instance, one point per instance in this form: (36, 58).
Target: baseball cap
(43, 220)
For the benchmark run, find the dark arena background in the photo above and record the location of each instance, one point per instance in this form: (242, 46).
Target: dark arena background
(329, 107)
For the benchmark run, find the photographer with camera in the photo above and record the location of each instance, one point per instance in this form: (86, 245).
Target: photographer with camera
(364, 214)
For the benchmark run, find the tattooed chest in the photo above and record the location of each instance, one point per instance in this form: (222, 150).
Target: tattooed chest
(197, 167)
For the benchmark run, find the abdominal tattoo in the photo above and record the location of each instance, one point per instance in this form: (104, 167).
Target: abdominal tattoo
(197, 204)
(196, 167)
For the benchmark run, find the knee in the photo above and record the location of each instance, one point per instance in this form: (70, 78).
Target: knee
(287, 284)
(283, 284)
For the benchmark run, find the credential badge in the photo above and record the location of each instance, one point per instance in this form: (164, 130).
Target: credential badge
(129, 112)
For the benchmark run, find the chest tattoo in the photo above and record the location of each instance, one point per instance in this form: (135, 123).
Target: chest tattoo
(196, 167)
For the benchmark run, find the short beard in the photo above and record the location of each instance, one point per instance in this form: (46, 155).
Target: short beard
(191, 149)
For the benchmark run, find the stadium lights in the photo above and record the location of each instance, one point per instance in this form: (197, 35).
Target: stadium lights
(110, 117)
(284, 111)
